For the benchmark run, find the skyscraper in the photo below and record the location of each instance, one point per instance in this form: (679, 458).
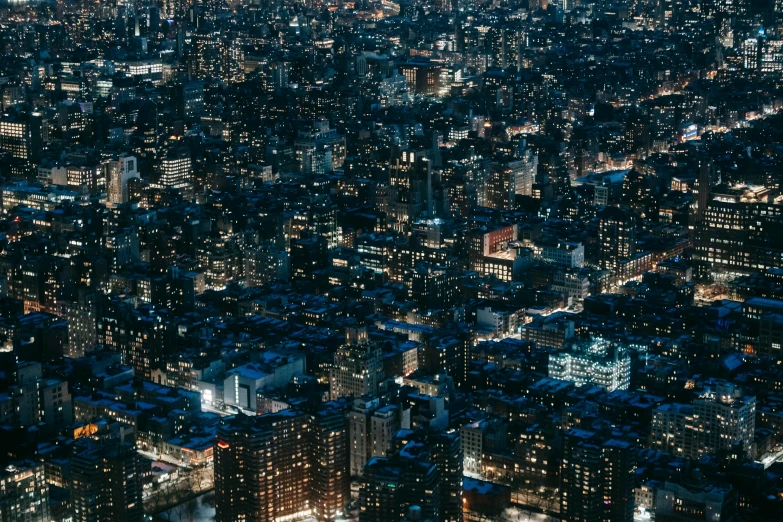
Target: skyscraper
(381, 496)
(580, 478)
(618, 480)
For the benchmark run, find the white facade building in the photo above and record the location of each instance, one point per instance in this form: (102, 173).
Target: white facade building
(598, 363)
(118, 172)
(566, 253)
(242, 383)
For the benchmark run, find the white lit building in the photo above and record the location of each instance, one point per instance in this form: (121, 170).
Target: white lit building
(274, 370)
(722, 417)
(118, 172)
(176, 171)
(149, 70)
(597, 363)
(717, 419)
(524, 173)
(472, 440)
(565, 253)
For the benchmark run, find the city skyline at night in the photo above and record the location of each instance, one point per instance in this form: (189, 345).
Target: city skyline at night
(391, 261)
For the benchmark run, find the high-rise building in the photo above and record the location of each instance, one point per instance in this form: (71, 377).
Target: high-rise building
(771, 55)
(320, 150)
(722, 417)
(144, 350)
(466, 184)
(717, 420)
(331, 482)
(432, 286)
(358, 366)
(596, 478)
(751, 53)
(359, 443)
(140, 334)
(446, 355)
(476, 437)
(382, 495)
(410, 189)
(33, 400)
(220, 257)
(21, 136)
(511, 178)
(265, 264)
(281, 466)
(384, 423)
(617, 237)
(618, 480)
(118, 171)
(394, 90)
(421, 77)
(444, 449)
(55, 403)
(672, 429)
(82, 324)
(24, 493)
(88, 177)
(176, 171)
(307, 256)
(393, 485)
(292, 459)
(703, 187)
(106, 482)
(189, 99)
(251, 474)
(739, 234)
(207, 52)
